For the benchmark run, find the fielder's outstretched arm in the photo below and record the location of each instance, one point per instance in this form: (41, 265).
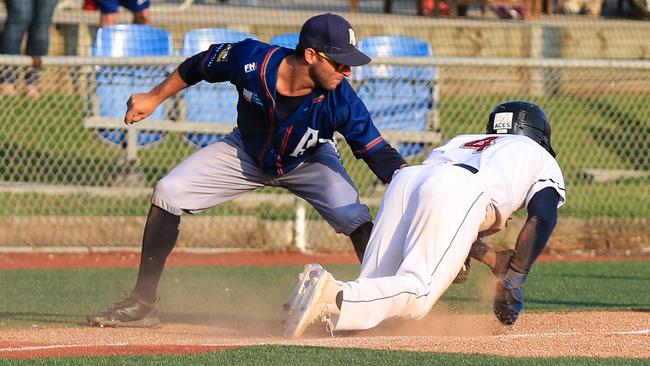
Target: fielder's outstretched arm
(141, 105)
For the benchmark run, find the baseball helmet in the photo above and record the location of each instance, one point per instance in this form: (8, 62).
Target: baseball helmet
(519, 117)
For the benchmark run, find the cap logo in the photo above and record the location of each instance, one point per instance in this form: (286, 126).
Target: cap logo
(353, 39)
(502, 122)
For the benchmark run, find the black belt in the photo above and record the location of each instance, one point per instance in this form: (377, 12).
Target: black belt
(468, 167)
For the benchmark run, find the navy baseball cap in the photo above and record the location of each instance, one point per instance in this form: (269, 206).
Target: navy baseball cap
(333, 35)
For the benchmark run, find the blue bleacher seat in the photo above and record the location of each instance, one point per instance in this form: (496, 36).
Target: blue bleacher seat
(116, 83)
(288, 40)
(210, 102)
(399, 98)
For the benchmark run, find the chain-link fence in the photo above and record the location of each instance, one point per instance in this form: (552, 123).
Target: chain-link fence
(74, 176)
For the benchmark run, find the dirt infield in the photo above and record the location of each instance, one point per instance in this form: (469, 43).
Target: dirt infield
(550, 334)
(583, 334)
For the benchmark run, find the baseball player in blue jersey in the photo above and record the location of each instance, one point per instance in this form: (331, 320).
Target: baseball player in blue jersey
(290, 104)
(428, 219)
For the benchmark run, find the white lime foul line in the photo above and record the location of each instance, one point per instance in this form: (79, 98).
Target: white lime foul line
(123, 344)
(59, 346)
(561, 334)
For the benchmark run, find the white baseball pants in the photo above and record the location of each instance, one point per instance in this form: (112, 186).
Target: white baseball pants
(428, 219)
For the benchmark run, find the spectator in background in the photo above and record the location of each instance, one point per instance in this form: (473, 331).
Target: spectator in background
(108, 10)
(428, 7)
(34, 18)
(510, 12)
(580, 7)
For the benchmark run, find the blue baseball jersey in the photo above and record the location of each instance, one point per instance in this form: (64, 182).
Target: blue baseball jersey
(279, 146)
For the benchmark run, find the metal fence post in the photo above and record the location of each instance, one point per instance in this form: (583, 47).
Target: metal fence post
(300, 225)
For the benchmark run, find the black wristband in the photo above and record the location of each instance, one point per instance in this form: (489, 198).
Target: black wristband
(384, 162)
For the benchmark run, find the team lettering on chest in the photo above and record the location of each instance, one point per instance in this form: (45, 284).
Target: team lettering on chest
(308, 139)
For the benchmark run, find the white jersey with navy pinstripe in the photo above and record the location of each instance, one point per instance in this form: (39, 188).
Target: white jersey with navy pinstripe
(512, 167)
(431, 214)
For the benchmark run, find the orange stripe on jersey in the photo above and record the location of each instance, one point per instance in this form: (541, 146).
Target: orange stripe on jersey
(369, 146)
(265, 63)
(285, 140)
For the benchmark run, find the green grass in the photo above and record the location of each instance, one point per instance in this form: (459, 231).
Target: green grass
(29, 204)
(618, 199)
(289, 355)
(60, 298)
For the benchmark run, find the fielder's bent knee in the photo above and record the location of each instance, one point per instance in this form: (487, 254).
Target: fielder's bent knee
(166, 194)
(167, 187)
(348, 220)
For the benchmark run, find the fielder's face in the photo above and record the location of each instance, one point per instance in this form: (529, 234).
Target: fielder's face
(324, 71)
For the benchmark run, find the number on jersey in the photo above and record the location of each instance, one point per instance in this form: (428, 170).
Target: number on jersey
(480, 145)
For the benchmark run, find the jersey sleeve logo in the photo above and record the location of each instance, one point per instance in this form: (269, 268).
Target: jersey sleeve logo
(480, 145)
(214, 51)
(224, 54)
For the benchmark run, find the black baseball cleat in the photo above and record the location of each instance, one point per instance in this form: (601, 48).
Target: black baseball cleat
(131, 311)
(463, 274)
(508, 302)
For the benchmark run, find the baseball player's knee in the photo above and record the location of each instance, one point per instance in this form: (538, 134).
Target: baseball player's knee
(345, 220)
(168, 188)
(168, 194)
(417, 307)
(417, 304)
(350, 224)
